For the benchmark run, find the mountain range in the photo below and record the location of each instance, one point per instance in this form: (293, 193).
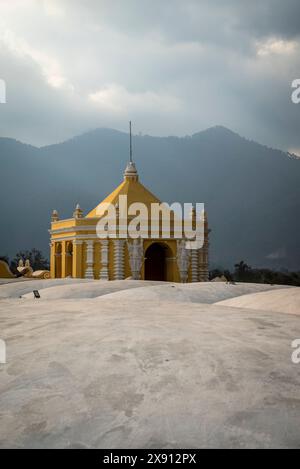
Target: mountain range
(251, 192)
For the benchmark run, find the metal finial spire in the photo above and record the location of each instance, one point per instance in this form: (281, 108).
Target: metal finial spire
(130, 154)
(130, 171)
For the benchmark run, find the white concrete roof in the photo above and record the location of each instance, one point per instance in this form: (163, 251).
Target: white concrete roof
(203, 292)
(90, 289)
(281, 301)
(121, 372)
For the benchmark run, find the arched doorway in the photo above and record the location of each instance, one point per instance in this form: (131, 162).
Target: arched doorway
(157, 257)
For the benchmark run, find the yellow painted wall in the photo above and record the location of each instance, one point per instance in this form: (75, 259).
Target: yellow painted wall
(5, 270)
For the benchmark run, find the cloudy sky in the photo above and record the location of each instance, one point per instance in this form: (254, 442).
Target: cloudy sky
(174, 67)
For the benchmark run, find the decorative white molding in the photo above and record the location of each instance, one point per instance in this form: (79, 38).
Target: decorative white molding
(83, 237)
(89, 272)
(194, 265)
(119, 271)
(122, 227)
(104, 260)
(203, 264)
(59, 221)
(73, 228)
(183, 260)
(96, 237)
(136, 257)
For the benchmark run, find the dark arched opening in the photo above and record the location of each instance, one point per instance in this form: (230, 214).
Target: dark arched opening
(58, 260)
(69, 259)
(156, 258)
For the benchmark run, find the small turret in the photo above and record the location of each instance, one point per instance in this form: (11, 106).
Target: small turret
(131, 172)
(78, 212)
(54, 216)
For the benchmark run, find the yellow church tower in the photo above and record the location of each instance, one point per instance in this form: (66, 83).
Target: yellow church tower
(78, 251)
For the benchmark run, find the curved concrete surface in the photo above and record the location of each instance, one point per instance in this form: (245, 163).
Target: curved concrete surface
(91, 289)
(18, 288)
(281, 301)
(115, 372)
(202, 292)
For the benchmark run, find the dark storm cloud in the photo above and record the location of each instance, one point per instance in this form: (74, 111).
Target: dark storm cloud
(198, 20)
(173, 67)
(271, 17)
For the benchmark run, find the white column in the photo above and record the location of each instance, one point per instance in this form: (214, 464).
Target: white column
(77, 258)
(194, 265)
(136, 257)
(89, 272)
(119, 273)
(97, 255)
(183, 260)
(203, 253)
(206, 271)
(104, 260)
(203, 264)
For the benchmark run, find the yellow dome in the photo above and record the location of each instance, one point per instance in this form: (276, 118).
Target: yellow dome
(131, 187)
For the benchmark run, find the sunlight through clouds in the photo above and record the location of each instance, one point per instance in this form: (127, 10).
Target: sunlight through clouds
(276, 46)
(178, 67)
(49, 66)
(116, 98)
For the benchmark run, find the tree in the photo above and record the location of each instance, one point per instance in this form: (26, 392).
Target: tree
(242, 271)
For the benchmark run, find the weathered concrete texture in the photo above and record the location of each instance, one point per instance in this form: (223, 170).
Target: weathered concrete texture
(18, 287)
(103, 373)
(91, 289)
(287, 301)
(4, 281)
(202, 292)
